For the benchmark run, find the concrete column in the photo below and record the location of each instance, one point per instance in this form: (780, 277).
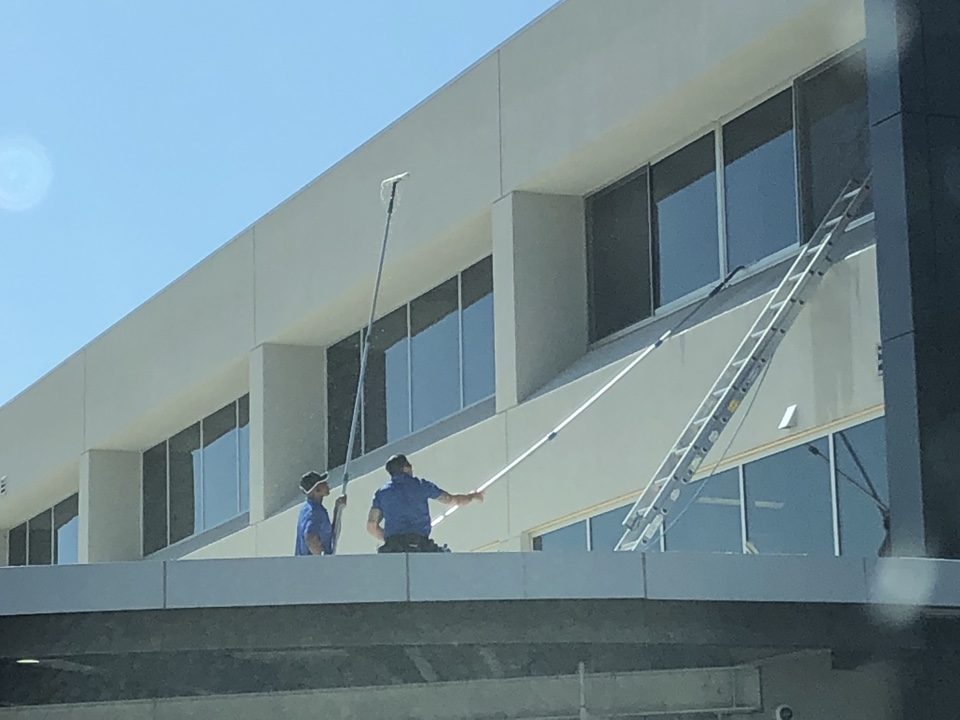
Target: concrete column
(110, 512)
(913, 52)
(287, 423)
(3, 548)
(540, 290)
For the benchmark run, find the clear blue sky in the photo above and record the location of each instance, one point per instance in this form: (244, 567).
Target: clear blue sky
(136, 137)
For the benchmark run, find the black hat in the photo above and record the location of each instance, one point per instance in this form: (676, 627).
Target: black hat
(310, 480)
(396, 464)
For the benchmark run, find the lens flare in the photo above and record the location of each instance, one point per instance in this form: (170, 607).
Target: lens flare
(25, 173)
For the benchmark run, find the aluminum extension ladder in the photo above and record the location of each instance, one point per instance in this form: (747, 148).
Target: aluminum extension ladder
(652, 509)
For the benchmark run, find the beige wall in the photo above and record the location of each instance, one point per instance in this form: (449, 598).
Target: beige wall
(573, 102)
(109, 506)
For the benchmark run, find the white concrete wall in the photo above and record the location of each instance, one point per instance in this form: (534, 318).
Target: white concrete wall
(109, 506)
(573, 102)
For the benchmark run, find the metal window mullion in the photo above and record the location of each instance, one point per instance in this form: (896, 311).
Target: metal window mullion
(236, 429)
(797, 158)
(53, 536)
(834, 497)
(166, 445)
(199, 481)
(589, 524)
(460, 332)
(142, 523)
(26, 544)
(721, 198)
(742, 474)
(361, 421)
(409, 307)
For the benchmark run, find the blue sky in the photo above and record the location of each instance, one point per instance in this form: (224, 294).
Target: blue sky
(138, 137)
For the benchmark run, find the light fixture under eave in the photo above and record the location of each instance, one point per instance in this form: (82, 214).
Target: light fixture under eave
(789, 418)
(28, 661)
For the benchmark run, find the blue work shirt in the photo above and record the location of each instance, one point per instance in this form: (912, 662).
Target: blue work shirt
(403, 504)
(314, 520)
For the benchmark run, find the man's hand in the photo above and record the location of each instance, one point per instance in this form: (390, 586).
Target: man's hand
(475, 497)
(341, 501)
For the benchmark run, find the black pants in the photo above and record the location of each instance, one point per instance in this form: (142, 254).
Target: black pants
(409, 544)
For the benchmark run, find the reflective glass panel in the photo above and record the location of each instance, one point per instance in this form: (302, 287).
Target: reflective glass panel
(789, 507)
(221, 470)
(607, 528)
(155, 498)
(343, 373)
(835, 129)
(386, 396)
(618, 257)
(435, 352)
(684, 188)
(565, 539)
(478, 358)
(17, 545)
(40, 549)
(760, 180)
(243, 412)
(185, 487)
(861, 457)
(66, 525)
(711, 518)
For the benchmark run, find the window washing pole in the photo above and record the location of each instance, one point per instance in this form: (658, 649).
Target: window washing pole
(391, 185)
(600, 393)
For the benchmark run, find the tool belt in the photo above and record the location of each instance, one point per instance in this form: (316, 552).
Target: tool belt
(409, 543)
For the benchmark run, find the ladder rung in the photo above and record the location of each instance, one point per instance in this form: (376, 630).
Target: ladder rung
(703, 420)
(740, 363)
(852, 194)
(833, 222)
(720, 393)
(813, 250)
(794, 278)
(682, 450)
(761, 333)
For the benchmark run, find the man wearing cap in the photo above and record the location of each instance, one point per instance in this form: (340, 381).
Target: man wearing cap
(314, 530)
(401, 505)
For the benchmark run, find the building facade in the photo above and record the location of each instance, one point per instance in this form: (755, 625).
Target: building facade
(572, 195)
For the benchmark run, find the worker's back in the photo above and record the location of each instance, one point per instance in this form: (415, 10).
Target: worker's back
(403, 503)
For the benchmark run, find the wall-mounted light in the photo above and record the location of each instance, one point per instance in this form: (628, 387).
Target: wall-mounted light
(28, 661)
(789, 418)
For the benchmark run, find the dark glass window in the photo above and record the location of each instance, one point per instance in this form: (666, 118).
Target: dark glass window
(479, 375)
(17, 545)
(571, 537)
(220, 493)
(835, 135)
(435, 354)
(343, 374)
(862, 495)
(684, 190)
(618, 257)
(760, 181)
(607, 528)
(40, 549)
(386, 393)
(186, 501)
(788, 498)
(243, 414)
(711, 520)
(66, 525)
(155, 498)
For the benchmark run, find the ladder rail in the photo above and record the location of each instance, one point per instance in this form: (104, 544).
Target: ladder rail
(747, 362)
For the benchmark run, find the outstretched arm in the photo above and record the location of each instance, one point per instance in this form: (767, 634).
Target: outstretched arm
(374, 519)
(448, 499)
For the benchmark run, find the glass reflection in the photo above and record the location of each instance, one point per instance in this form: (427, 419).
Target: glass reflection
(343, 374)
(565, 539)
(478, 357)
(711, 519)
(155, 498)
(862, 493)
(607, 528)
(760, 181)
(185, 488)
(221, 488)
(243, 414)
(788, 499)
(17, 545)
(386, 395)
(435, 354)
(40, 547)
(684, 192)
(66, 523)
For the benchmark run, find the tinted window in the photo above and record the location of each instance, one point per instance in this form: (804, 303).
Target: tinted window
(435, 353)
(711, 519)
(861, 458)
(760, 181)
(40, 549)
(17, 545)
(343, 373)
(221, 472)
(478, 359)
(789, 507)
(155, 498)
(571, 537)
(685, 220)
(618, 257)
(386, 396)
(607, 528)
(835, 128)
(66, 528)
(185, 490)
(243, 413)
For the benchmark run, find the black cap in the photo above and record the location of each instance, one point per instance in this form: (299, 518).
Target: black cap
(311, 479)
(396, 464)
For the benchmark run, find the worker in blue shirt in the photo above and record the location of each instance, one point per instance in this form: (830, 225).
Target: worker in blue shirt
(401, 507)
(314, 530)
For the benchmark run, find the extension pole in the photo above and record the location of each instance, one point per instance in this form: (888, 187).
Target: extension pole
(365, 352)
